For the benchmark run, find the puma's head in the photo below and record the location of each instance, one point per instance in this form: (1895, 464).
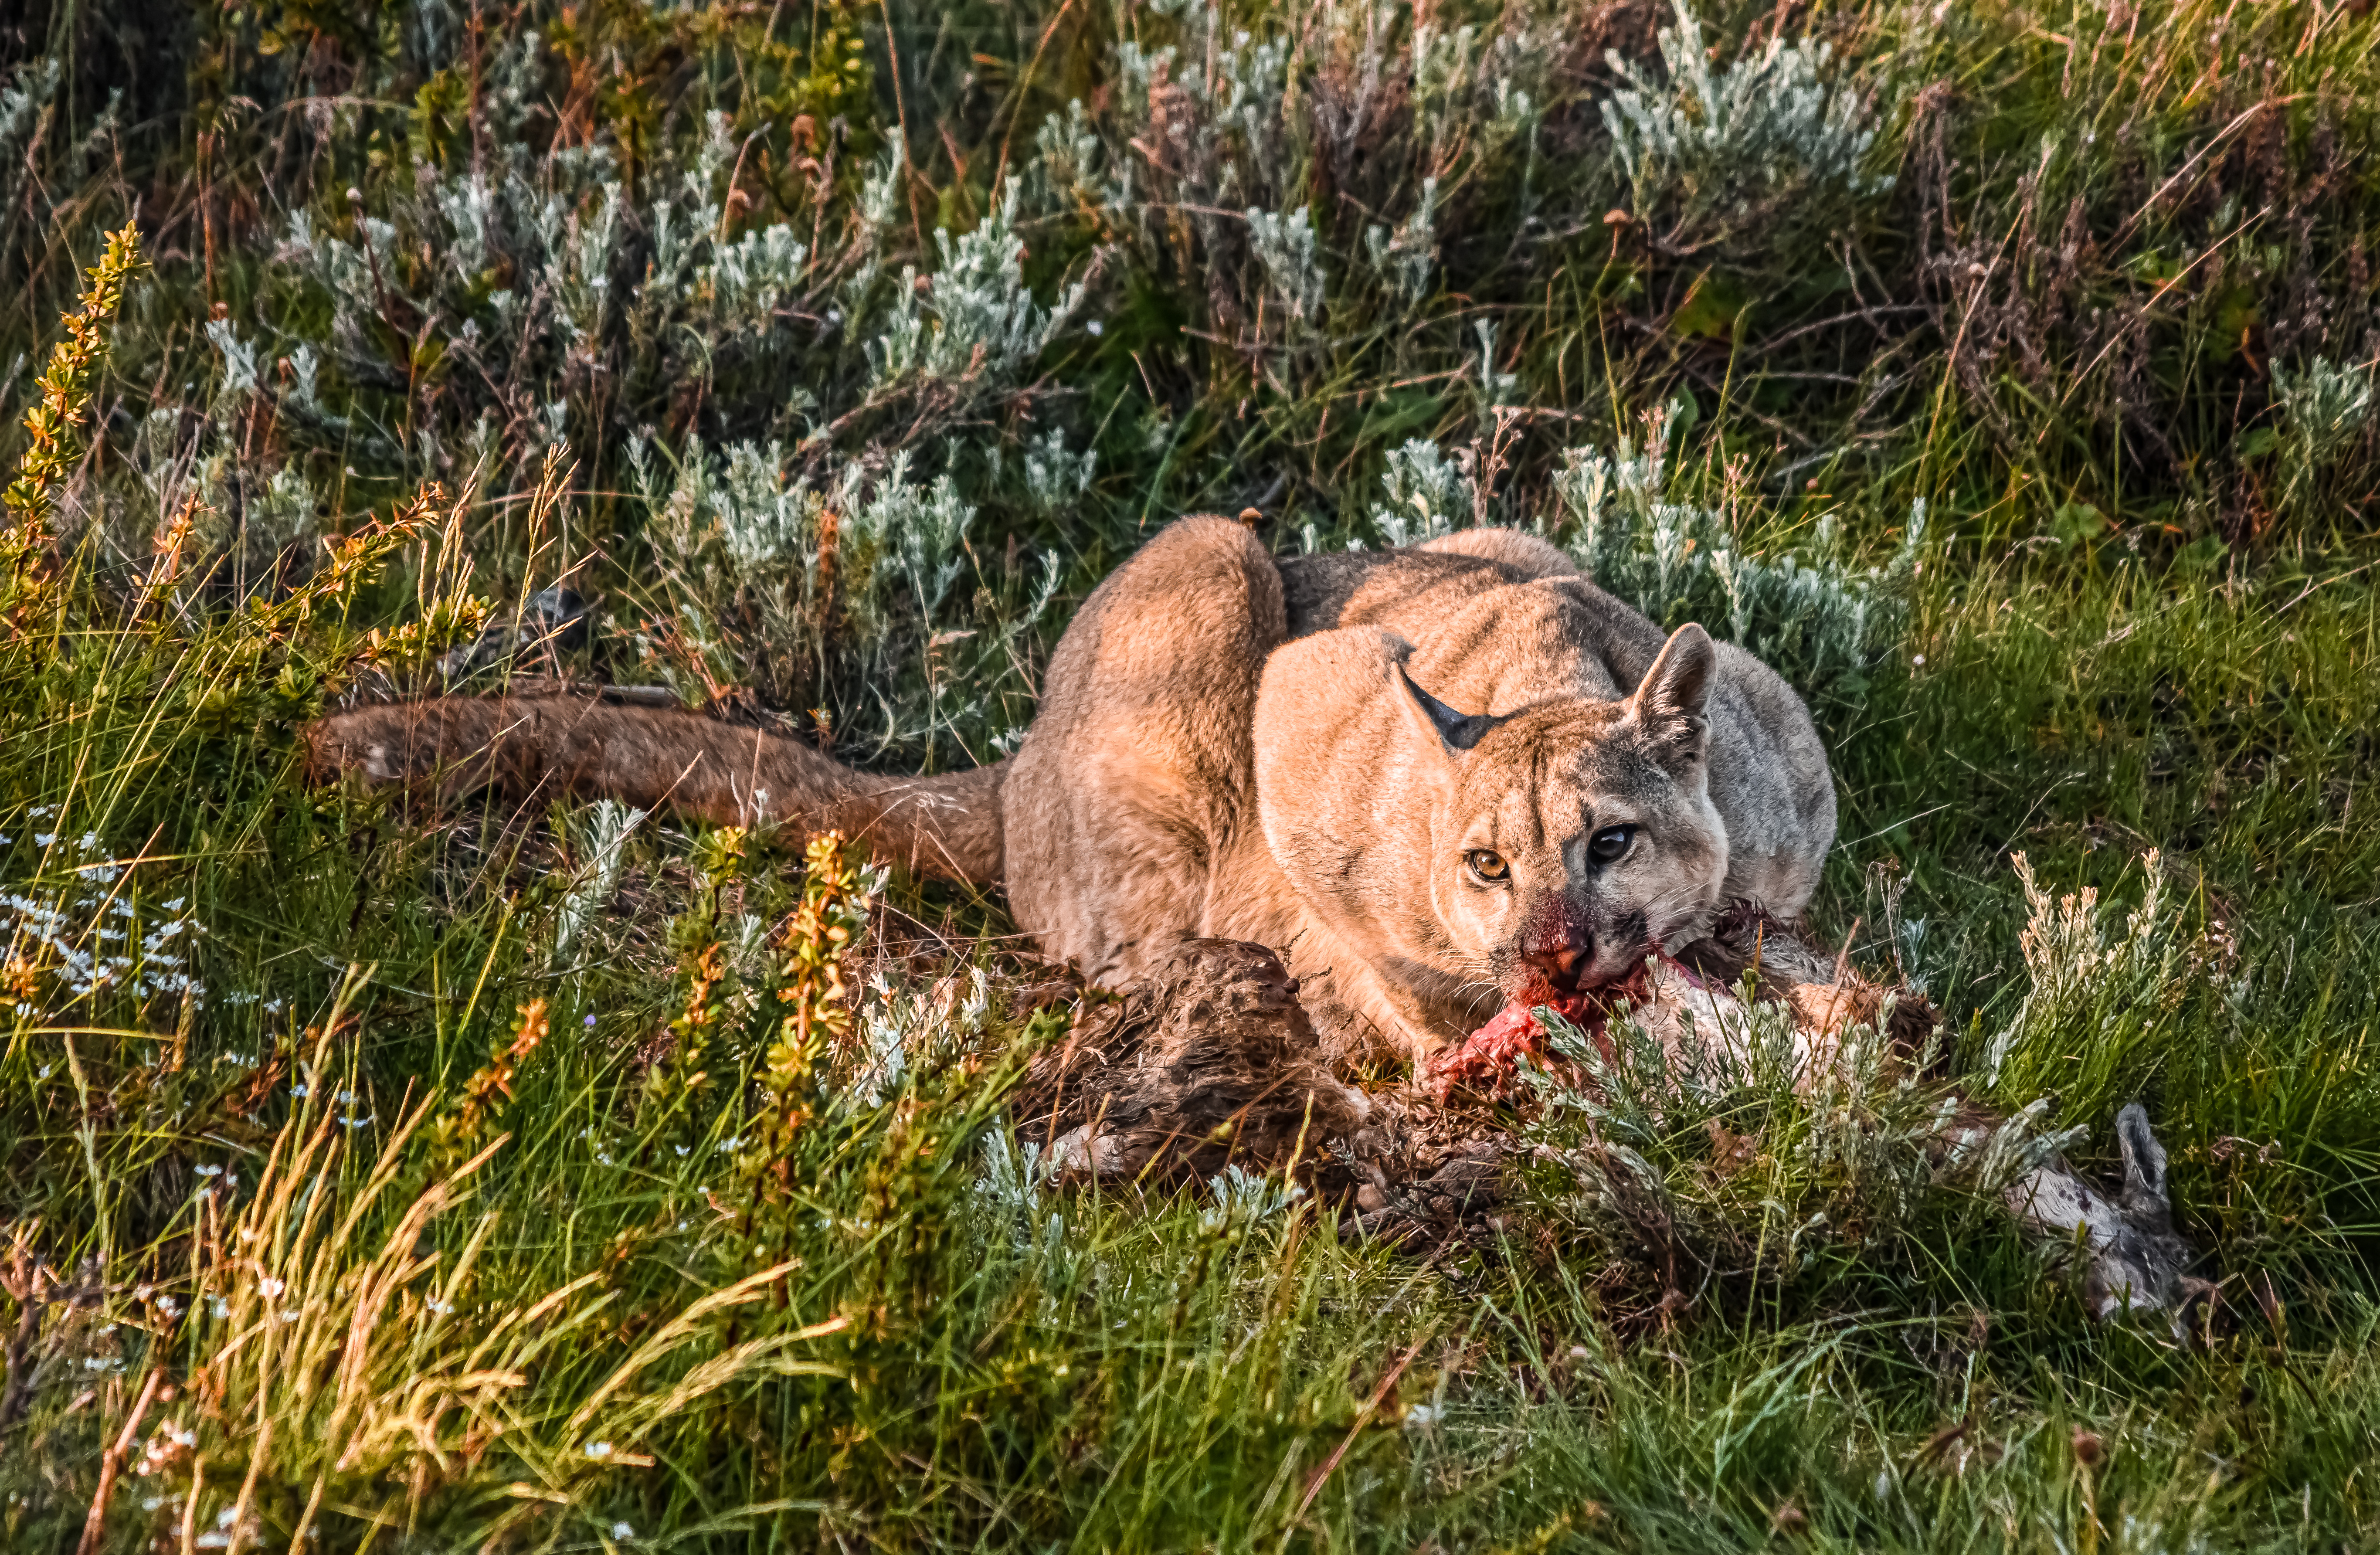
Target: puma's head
(1575, 836)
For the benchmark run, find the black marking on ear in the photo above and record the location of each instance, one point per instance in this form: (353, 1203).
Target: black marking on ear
(1458, 731)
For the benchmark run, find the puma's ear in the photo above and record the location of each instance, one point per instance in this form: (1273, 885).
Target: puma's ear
(1452, 730)
(1669, 705)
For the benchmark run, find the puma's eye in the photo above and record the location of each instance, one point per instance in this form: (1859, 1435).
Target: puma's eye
(1487, 864)
(1609, 842)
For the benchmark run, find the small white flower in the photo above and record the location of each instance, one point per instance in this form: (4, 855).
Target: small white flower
(1095, 327)
(1918, 660)
(621, 1530)
(598, 1450)
(270, 1286)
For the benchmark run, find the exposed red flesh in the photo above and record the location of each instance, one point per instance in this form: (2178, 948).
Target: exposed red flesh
(1484, 1064)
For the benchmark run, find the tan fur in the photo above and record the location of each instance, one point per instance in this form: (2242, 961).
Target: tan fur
(1231, 745)
(526, 747)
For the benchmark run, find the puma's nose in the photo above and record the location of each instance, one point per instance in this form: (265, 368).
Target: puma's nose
(1561, 966)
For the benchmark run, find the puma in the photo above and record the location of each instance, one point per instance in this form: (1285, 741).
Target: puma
(1438, 783)
(1436, 780)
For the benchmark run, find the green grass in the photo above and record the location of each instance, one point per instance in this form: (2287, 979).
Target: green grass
(409, 1233)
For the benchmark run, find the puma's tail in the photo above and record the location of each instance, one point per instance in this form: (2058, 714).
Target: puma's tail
(524, 746)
